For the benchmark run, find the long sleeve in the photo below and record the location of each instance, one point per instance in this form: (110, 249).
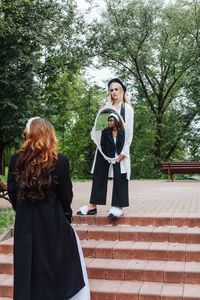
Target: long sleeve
(129, 115)
(11, 183)
(65, 188)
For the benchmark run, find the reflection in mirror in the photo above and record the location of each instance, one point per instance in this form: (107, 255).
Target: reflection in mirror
(109, 133)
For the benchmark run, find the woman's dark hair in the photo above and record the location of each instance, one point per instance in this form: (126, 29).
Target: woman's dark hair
(118, 124)
(36, 161)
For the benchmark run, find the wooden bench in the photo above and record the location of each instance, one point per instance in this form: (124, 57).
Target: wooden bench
(3, 191)
(185, 167)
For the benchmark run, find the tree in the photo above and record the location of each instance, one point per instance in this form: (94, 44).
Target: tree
(38, 39)
(71, 104)
(155, 48)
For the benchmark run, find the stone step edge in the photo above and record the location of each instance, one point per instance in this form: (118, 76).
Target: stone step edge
(134, 270)
(139, 233)
(190, 220)
(123, 290)
(6, 285)
(141, 250)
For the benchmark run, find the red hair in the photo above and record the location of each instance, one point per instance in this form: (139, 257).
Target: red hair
(36, 161)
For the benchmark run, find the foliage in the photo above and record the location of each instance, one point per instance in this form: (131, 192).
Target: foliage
(71, 105)
(155, 48)
(38, 40)
(7, 217)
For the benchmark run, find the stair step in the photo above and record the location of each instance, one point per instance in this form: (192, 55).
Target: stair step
(6, 246)
(126, 290)
(143, 270)
(6, 285)
(6, 264)
(163, 219)
(141, 250)
(170, 234)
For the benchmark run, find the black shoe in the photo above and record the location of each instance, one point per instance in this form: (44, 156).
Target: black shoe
(113, 217)
(89, 213)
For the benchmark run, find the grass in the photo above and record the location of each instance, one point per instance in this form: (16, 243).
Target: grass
(7, 217)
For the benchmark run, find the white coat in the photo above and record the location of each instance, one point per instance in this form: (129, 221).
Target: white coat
(125, 164)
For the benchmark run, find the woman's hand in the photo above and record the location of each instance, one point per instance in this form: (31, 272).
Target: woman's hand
(102, 105)
(122, 156)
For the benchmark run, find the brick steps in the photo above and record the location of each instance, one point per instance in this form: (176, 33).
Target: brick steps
(6, 285)
(6, 264)
(141, 250)
(143, 270)
(170, 234)
(134, 258)
(6, 246)
(164, 219)
(127, 290)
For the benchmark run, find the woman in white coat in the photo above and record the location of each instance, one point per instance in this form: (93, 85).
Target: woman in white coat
(121, 170)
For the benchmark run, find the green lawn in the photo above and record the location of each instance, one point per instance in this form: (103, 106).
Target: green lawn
(7, 217)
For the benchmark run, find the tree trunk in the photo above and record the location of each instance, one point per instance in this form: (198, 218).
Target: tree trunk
(158, 142)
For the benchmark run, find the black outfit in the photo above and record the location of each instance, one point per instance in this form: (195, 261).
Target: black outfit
(107, 142)
(46, 258)
(100, 176)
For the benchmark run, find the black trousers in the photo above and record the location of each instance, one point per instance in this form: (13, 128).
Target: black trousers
(100, 181)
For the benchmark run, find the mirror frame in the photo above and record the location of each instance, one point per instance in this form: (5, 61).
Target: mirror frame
(112, 160)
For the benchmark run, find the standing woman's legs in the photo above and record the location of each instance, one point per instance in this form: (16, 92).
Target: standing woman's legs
(100, 181)
(120, 197)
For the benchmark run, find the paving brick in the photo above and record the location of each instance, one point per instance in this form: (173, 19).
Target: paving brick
(178, 235)
(191, 292)
(158, 251)
(105, 250)
(193, 235)
(150, 291)
(140, 250)
(172, 292)
(135, 270)
(174, 272)
(192, 272)
(161, 234)
(6, 246)
(193, 220)
(107, 291)
(176, 252)
(89, 248)
(179, 219)
(163, 219)
(6, 285)
(154, 271)
(123, 250)
(193, 252)
(111, 233)
(6, 264)
(129, 290)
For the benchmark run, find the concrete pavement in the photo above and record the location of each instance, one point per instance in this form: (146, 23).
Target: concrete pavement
(146, 197)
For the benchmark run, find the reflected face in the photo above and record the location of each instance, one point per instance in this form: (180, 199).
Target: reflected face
(114, 90)
(111, 122)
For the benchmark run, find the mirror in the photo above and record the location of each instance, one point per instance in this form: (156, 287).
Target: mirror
(108, 133)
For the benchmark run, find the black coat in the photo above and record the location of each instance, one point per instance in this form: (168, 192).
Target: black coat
(107, 142)
(46, 258)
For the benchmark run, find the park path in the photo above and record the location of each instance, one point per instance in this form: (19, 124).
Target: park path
(146, 196)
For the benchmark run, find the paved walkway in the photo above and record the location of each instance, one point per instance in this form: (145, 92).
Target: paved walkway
(146, 197)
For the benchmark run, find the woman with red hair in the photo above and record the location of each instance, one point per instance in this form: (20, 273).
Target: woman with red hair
(48, 262)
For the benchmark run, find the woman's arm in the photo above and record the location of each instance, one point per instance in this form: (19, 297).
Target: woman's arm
(129, 115)
(11, 183)
(65, 188)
